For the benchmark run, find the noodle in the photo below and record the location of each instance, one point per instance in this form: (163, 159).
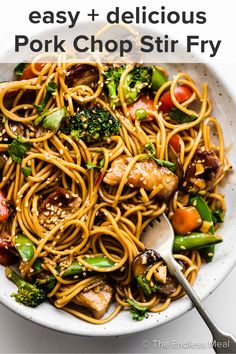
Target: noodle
(110, 219)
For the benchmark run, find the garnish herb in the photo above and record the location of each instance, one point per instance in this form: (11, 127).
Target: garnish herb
(18, 148)
(50, 88)
(91, 166)
(27, 171)
(180, 117)
(151, 151)
(19, 69)
(138, 312)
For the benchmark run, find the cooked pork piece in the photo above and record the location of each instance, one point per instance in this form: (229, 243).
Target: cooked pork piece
(97, 298)
(58, 206)
(203, 171)
(144, 174)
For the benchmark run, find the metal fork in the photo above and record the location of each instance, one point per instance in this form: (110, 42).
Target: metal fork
(160, 237)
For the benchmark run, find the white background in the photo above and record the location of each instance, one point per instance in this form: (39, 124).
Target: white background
(20, 336)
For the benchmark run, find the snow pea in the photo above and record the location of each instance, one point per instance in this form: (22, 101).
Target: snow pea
(77, 268)
(195, 240)
(25, 247)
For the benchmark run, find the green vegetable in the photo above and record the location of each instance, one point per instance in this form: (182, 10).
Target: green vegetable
(112, 80)
(18, 148)
(195, 240)
(158, 79)
(141, 113)
(25, 247)
(138, 312)
(218, 215)
(206, 215)
(19, 69)
(145, 285)
(28, 294)
(149, 147)
(180, 117)
(92, 125)
(76, 268)
(208, 253)
(51, 120)
(203, 209)
(91, 166)
(170, 165)
(135, 81)
(46, 281)
(37, 265)
(3, 119)
(50, 88)
(27, 171)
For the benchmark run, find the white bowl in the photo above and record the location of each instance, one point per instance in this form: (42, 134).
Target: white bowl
(210, 275)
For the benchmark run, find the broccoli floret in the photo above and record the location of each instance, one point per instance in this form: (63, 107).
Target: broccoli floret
(46, 281)
(92, 125)
(112, 80)
(135, 81)
(28, 294)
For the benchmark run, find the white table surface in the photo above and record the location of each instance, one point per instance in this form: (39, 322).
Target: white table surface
(180, 336)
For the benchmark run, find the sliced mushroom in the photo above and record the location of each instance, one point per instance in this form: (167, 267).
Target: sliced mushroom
(142, 261)
(58, 206)
(204, 170)
(169, 287)
(82, 74)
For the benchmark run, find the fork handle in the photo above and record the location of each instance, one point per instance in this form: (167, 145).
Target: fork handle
(222, 342)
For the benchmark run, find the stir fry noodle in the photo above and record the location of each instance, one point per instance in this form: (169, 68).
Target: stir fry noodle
(90, 154)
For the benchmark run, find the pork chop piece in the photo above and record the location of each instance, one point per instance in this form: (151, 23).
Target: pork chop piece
(97, 298)
(204, 169)
(58, 205)
(144, 174)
